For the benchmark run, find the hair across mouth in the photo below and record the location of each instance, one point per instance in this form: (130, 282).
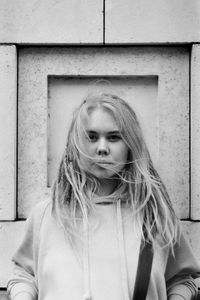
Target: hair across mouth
(104, 163)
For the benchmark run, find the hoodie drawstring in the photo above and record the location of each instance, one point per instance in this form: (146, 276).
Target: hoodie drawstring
(123, 263)
(86, 262)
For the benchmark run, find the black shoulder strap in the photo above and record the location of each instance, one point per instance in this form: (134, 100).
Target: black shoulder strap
(143, 272)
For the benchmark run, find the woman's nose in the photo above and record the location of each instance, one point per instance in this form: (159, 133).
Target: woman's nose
(102, 148)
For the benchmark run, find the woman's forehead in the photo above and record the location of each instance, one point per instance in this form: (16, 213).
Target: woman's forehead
(101, 118)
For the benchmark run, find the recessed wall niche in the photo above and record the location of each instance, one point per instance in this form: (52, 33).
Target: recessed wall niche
(66, 93)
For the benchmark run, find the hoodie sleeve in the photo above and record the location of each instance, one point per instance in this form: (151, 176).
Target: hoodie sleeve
(24, 277)
(182, 268)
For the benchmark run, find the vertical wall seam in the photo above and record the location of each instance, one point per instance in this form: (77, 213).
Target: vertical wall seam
(190, 140)
(104, 22)
(17, 97)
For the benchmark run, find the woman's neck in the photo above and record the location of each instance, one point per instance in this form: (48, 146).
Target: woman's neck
(106, 187)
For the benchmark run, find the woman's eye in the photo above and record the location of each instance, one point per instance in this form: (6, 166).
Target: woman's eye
(114, 138)
(92, 137)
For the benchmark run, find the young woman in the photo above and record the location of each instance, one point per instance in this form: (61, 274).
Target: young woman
(107, 202)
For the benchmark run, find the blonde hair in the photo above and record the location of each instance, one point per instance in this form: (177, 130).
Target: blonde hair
(147, 195)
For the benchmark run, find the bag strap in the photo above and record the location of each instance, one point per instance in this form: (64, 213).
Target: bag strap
(143, 271)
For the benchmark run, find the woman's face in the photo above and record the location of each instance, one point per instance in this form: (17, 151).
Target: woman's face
(104, 145)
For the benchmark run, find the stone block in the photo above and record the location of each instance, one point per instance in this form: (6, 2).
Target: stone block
(11, 234)
(191, 230)
(3, 295)
(8, 104)
(38, 67)
(158, 21)
(195, 132)
(51, 21)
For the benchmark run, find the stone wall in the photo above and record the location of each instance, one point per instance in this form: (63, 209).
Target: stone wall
(101, 21)
(84, 23)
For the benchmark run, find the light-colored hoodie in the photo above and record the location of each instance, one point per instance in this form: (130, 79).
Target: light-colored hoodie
(101, 266)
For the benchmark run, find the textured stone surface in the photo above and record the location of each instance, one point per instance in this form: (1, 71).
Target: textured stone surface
(126, 21)
(157, 21)
(191, 230)
(51, 21)
(8, 96)
(10, 236)
(3, 295)
(171, 65)
(195, 132)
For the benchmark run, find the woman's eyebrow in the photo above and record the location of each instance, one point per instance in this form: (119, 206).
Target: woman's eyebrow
(108, 132)
(91, 131)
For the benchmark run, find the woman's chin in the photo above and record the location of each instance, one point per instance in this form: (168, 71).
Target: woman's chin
(102, 173)
(105, 174)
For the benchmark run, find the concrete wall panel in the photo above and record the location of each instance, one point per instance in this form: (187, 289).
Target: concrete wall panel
(8, 96)
(51, 21)
(171, 108)
(66, 94)
(3, 295)
(11, 234)
(191, 231)
(157, 21)
(195, 132)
